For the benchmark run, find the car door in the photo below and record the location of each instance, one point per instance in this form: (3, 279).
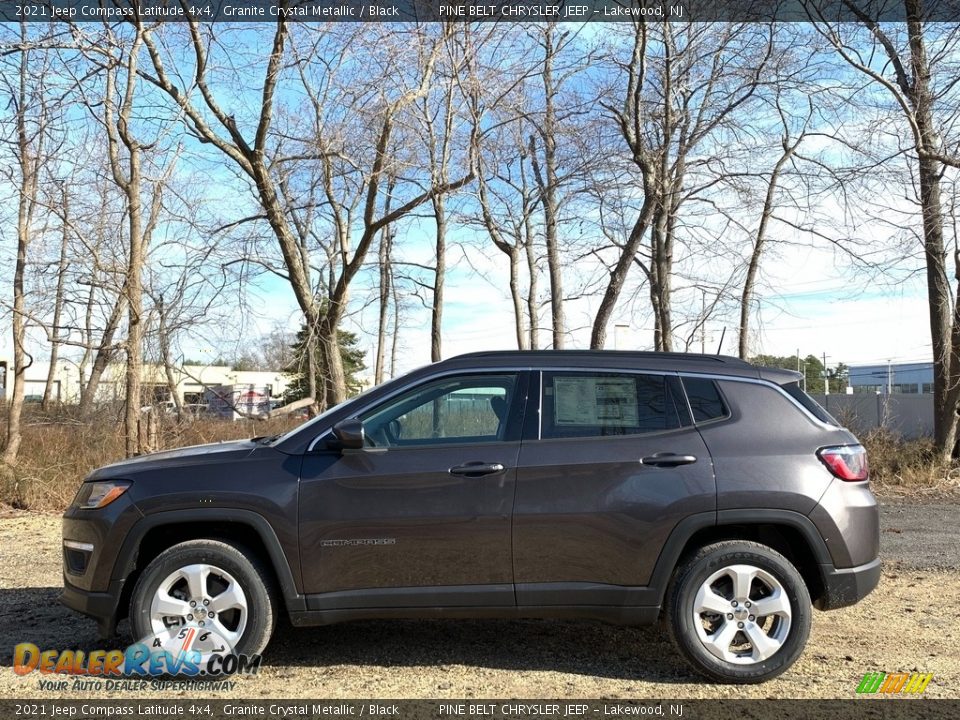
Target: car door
(421, 515)
(613, 466)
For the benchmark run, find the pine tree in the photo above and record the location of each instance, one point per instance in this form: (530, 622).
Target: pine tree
(350, 354)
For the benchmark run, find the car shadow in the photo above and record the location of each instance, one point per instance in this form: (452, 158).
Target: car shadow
(589, 648)
(576, 647)
(35, 615)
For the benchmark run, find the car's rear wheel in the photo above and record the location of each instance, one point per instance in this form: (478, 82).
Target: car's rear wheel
(219, 588)
(739, 612)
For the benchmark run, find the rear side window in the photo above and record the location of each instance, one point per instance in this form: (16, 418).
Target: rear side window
(601, 404)
(706, 402)
(796, 392)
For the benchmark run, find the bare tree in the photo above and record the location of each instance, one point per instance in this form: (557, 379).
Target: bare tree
(789, 145)
(679, 86)
(380, 102)
(920, 83)
(125, 152)
(30, 106)
(513, 233)
(547, 178)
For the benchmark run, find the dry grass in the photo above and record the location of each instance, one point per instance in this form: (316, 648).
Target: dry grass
(900, 464)
(59, 450)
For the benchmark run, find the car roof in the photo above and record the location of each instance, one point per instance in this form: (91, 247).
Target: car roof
(622, 359)
(626, 359)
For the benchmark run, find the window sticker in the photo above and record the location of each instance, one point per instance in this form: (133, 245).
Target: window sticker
(595, 401)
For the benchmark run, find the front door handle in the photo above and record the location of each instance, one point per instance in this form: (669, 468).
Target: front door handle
(477, 469)
(666, 459)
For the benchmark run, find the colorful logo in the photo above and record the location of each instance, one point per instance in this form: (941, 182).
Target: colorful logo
(188, 651)
(893, 683)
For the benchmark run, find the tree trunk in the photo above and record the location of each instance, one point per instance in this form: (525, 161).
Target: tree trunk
(335, 381)
(753, 267)
(548, 190)
(618, 276)
(515, 295)
(58, 307)
(383, 258)
(166, 356)
(396, 324)
(105, 355)
(440, 269)
(28, 160)
(133, 290)
(18, 326)
(946, 367)
(533, 312)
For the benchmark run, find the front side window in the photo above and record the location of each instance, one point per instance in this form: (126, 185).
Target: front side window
(589, 404)
(449, 410)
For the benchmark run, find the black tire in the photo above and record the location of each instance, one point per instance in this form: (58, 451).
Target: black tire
(680, 619)
(250, 572)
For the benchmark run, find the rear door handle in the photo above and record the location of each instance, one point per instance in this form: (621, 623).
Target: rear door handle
(666, 459)
(477, 469)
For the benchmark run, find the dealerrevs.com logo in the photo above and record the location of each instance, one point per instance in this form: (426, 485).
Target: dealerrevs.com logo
(894, 683)
(188, 652)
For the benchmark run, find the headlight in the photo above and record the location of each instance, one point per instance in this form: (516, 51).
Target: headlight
(93, 495)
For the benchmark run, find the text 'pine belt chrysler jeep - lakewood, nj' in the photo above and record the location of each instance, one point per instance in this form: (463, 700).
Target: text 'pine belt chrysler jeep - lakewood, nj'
(627, 487)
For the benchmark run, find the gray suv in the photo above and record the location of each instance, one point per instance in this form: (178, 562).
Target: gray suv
(627, 487)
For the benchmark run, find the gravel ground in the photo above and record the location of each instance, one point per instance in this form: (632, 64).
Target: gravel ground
(908, 624)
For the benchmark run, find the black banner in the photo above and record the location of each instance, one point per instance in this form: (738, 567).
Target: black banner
(887, 708)
(152, 11)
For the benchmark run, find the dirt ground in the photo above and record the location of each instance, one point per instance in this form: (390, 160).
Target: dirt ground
(908, 624)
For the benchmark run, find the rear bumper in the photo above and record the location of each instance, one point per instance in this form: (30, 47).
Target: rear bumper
(101, 606)
(846, 586)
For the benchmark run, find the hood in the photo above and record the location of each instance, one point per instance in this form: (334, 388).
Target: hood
(193, 454)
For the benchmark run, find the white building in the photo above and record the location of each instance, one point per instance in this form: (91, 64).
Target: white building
(190, 381)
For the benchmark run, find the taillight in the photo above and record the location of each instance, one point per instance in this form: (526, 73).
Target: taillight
(847, 462)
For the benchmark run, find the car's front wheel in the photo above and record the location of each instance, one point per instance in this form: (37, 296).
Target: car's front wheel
(220, 589)
(739, 612)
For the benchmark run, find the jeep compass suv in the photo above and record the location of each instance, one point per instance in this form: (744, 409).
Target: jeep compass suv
(627, 487)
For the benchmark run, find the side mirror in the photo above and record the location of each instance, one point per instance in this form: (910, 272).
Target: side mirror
(349, 433)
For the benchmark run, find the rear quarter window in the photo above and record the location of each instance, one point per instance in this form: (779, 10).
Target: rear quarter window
(796, 392)
(706, 402)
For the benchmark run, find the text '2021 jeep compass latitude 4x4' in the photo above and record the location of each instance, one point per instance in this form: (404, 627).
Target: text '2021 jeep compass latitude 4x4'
(619, 486)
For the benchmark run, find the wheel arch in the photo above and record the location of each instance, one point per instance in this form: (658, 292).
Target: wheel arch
(156, 532)
(791, 534)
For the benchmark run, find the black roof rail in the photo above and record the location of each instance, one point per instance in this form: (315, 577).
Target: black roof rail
(650, 354)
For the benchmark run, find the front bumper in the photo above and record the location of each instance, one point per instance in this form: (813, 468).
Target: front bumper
(846, 586)
(102, 606)
(92, 542)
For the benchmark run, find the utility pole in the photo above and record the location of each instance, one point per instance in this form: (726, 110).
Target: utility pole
(826, 376)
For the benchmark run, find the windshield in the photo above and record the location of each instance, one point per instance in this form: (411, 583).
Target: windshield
(796, 392)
